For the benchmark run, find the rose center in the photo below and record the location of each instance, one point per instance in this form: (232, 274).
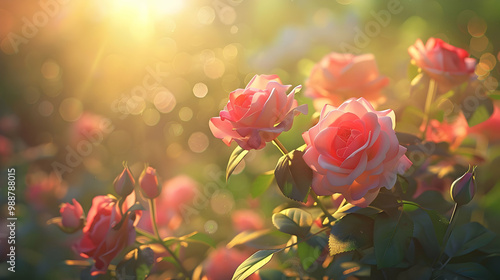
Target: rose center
(343, 140)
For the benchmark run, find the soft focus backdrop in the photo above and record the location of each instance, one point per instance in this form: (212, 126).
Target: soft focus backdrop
(86, 85)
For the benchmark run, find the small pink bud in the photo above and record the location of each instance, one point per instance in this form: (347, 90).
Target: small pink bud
(124, 183)
(149, 183)
(463, 189)
(72, 218)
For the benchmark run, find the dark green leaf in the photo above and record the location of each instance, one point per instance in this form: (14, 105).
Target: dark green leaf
(388, 202)
(261, 183)
(423, 233)
(391, 238)
(236, 157)
(351, 208)
(293, 176)
(467, 238)
(471, 270)
(493, 247)
(416, 272)
(253, 263)
(293, 221)
(352, 232)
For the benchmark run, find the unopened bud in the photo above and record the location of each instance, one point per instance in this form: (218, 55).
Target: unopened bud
(149, 183)
(124, 183)
(72, 217)
(463, 189)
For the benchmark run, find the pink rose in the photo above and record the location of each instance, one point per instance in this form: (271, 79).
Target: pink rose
(453, 132)
(72, 215)
(449, 66)
(353, 150)
(149, 183)
(338, 77)
(222, 263)
(101, 240)
(246, 220)
(258, 113)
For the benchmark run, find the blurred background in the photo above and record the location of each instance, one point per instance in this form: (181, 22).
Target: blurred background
(87, 85)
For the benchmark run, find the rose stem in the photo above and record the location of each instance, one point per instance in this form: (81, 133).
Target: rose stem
(428, 103)
(280, 146)
(321, 206)
(152, 210)
(447, 234)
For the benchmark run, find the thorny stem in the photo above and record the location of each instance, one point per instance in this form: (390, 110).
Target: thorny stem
(152, 210)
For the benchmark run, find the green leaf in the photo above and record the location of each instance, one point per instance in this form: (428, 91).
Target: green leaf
(352, 232)
(416, 272)
(293, 221)
(253, 263)
(391, 238)
(351, 208)
(293, 176)
(388, 202)
(202, 238)
(423, 233)
(308, 254)
(236, 157)
(262, 183)
(247, 236)
(467, 238)
(480, 113)
(471, 270)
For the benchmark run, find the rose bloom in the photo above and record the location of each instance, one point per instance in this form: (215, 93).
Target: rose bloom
(178, 193)
(338, 77)
(453, 132)
(258, 113)
(89, 127)
(449, 66)
(222, 263)
(353, 150)
(100, 240)
(72, 215)
(246, 219)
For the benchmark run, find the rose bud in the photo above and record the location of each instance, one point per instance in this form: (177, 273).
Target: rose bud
(463, 189)
(124, 183)
(72, 218)
(149, 183)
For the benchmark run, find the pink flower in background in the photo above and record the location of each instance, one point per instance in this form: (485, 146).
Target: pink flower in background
(101, 240)
(177, 194)
(258, 113)
(72, 215)
(149, 183)
(452, 132)
(489, 128)
(222, 263)
(338, 77)
(90, 127)
(353, 150)
(247, 220)
(44, 190)
(5, 149)
(449, 66)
